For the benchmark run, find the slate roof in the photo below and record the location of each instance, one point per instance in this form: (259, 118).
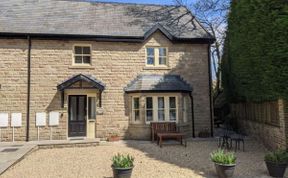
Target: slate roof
(64, 17)
(158, 83)
(81, 77)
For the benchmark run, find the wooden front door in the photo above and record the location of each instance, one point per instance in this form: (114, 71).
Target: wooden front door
(77, 116)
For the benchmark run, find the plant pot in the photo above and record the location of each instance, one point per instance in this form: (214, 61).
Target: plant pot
(276, 170)
(225, 171)
(113, 138)
(122, 172)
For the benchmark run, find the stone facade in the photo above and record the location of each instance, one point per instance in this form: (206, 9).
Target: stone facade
(113, 63)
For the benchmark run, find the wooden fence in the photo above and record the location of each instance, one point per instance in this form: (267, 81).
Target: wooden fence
(265, 112)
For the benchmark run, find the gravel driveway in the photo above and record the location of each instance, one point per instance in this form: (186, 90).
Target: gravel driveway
(150, 161)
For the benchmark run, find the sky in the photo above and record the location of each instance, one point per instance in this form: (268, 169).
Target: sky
(169, 2)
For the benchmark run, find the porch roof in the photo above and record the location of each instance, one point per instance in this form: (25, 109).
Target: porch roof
(97, 84)
(158, 83)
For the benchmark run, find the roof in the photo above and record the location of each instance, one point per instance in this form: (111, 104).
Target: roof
(80, 77)
(158, 83)
(98, 19)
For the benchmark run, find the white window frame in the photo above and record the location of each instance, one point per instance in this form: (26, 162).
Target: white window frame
(167, 109)
(133, 110)
(156, 57)
(82, 55)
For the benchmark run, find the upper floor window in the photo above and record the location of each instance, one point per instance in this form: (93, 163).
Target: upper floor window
(156, 56)
(82, 54)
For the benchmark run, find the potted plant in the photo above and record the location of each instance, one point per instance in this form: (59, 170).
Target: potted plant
(276, 162)
(122, 166)
(113, 137)
(224, 162)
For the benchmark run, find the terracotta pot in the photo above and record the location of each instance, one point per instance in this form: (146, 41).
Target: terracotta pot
(113, 138)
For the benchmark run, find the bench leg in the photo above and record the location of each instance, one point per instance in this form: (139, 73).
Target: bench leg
(160, 142)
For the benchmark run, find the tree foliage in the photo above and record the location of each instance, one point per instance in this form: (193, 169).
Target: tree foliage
(212, 14)
(255, 59)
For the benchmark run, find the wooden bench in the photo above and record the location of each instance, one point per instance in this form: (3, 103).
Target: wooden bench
(161, 130)
(177, 136)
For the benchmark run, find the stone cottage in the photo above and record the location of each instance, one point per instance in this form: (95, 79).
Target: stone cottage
(91, 69)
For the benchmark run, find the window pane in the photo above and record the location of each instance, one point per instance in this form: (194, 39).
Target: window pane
(162, 60)
(78, 59)
(161, 115)
(73, 108)
(86, 50)
(78, 50)
(150, 60)
(136, 115)
(92, 107)
(161, 104)
(136, 103)
(150, 51)
(172, 115)
(86, 59)
(172, 102)
(162, 52)
(81, 109)
(149, 115)
(149, 103)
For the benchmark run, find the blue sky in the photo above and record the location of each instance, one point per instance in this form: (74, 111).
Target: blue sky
(169, 2)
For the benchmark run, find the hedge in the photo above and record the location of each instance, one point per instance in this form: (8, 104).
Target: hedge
(255, 59)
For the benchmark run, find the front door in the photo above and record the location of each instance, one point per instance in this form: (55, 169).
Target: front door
(77, 116)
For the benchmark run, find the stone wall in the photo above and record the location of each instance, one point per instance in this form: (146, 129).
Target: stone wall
(272, 135)
(113, 63)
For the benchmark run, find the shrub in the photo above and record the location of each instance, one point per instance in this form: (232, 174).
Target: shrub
(122, 161)
(221, 157)
(277, 157)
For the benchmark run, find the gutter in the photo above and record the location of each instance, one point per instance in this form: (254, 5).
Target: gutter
(210, 92)
(104, 38)
(28, 88)
(192, 113)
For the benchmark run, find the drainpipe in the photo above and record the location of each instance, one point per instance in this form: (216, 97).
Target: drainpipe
(28, 87)
(192, 112)
(210, 92)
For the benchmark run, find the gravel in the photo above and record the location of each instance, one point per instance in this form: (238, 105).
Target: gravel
(150, 161)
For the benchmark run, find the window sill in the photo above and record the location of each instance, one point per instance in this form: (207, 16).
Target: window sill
(147, 123)
(81, 67)
(157, 68)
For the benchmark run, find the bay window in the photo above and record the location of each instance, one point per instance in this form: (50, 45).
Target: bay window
(172, 109)
(149, 109)
(161, 109)
(165, 108)
(136, 109)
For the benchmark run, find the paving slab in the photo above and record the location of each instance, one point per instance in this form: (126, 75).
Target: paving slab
(11, 153)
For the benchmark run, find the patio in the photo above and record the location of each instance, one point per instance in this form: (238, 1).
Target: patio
(150, 160)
